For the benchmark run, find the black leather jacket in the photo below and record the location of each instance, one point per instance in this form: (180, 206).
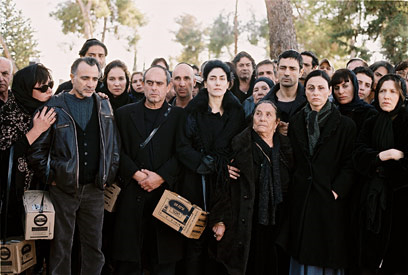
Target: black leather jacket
(61, 141)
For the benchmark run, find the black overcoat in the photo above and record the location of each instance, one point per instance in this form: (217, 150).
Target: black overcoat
(318, 229)
(233, 249)
(135, 206)
(390, 243)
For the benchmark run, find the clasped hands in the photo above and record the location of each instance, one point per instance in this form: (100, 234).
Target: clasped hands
(147, 179)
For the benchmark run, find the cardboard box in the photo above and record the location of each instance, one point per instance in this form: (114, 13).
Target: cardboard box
(111, 195)
(16, 255)
(178, 213)
(37, 224)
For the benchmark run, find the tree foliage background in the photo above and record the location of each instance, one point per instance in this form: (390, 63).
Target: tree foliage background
(17, 34)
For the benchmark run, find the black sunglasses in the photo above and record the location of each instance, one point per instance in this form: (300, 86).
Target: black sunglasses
(44, 88)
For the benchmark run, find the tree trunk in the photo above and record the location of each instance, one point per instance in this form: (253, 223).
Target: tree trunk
(7, 53)
(135, 59)
(282, 35)
(88, 31)
(236, 28)
(105, 21)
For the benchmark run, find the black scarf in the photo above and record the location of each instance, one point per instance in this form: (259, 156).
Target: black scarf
(22, 88)
(118, 101)
(314, 121)
(270, 189)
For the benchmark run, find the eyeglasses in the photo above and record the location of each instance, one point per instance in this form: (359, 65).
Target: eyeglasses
(44, 88)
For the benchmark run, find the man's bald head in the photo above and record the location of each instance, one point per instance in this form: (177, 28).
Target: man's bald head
(183, 80)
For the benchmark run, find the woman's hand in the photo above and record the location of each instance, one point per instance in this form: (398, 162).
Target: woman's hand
(233, 172)
(335, 195)
(41, 122)
(283, 128)
(219, 230)
(391, 154)
(102, 95)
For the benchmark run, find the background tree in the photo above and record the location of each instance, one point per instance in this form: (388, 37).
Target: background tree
(190, 36)
(17, 35)
(282, 35)
(221, 35)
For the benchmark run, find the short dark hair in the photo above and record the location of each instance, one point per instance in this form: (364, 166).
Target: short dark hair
(291, 54)
(166, 72)
(341, 75)
(42, 74)
(135, 73)
(401, 65)
(265, 62)
(357, 59)
(242, 54)
(315, 60)
(212, 64)
(387, 65)
(88, 60)
(194, 66)
(366, 71)
(158, 60)
(116, 64)
(320, 73)
(89, 43)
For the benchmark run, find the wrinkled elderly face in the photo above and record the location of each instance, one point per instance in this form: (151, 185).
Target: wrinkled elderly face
(261, 88)
(244, 68)
(155, 86)
(85, 80)
(265, 121)
(5, 76)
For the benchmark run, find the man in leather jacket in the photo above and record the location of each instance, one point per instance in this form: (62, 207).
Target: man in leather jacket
(83, 148)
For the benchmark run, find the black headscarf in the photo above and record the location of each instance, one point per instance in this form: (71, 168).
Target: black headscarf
(356, 103)
(383, 134)
(22, 88)
(119, 100)
(266, 80)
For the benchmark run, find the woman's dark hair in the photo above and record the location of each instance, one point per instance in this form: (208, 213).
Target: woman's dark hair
(399, 83)
(116, 64)
(385, 64)
(366, 71)
(212, 64)
(341, 75)
(158, 60)
(318, 73)
(266, 101)
(89, 43)
(42, 74)
(135, 73)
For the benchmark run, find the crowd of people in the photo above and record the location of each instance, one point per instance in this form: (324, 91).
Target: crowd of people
(302, 168)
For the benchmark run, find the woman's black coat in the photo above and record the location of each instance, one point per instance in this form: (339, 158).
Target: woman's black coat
(233, 249)
(134, 203)
(318, 224)
(391, 242)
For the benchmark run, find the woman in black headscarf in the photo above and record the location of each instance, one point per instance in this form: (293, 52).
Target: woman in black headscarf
(116, 83)
(345, 93)
(381, 156)
(32, 87)
(262, 86)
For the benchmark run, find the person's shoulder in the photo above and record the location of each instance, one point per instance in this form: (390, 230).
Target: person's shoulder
(128, 108)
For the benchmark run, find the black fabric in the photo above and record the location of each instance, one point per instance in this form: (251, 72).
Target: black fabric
(80, 109)
(150, 118)
(240, 95)
(135, 96)
(22, 87)
(88, 149)
(288, 109)
(266, 80)
(269, 188)
(118, 101)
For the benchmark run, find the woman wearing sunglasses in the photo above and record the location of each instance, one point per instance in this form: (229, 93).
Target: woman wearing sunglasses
(20, 126)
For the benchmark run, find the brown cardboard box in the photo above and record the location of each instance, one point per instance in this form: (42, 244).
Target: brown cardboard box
(178, 213)
(38, 225)
(16, 255)
(111, 195)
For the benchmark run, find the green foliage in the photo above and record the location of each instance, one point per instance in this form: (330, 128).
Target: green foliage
(70, 16)
(221, 34)
(257, 29)
(17, 33)
(190, 36)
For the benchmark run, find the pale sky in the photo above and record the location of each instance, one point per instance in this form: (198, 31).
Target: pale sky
(58, 51)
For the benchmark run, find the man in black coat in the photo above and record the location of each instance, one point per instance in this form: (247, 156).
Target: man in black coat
(148, 167)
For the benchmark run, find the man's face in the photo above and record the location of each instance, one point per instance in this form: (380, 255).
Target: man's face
(288, 72)
(244, 68)
(98, 53)
(85, 80)
(266, 71)
(155, 87)
(137, 83)
(5, 76)
(307, 66)
(183, 80)
(364, 85)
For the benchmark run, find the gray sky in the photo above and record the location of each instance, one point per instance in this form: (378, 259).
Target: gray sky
(58, 51)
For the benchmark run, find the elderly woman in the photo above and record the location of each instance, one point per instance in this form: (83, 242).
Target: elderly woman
(381, 156)
(262, 87)
(214, 117)
(322, 141)
(116, 83)
(262, 161)
(345, 93)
